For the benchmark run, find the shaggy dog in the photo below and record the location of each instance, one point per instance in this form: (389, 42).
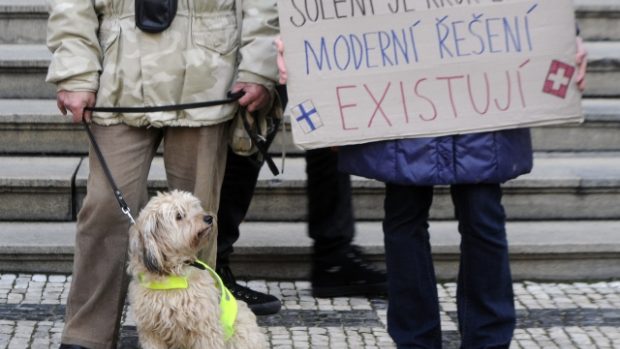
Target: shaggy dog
(169, 232)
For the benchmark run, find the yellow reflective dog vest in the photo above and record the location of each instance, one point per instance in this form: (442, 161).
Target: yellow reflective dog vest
(228, 303)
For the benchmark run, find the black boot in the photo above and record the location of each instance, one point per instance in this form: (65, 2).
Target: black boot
(260, 303)
(70, 346)
(347, 274)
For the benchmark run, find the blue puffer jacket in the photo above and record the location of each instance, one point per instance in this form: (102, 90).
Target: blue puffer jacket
(489, 157)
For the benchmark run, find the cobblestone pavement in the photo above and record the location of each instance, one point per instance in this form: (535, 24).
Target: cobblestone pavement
(551, 315)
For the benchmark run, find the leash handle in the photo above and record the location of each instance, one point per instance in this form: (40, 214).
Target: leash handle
(117, 192)
(262, 143)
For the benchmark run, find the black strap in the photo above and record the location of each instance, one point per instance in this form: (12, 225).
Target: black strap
(262, 143)
(232, 97)
(117, 192)
(197, 265)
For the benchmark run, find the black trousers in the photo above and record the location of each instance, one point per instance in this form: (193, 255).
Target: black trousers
(484, 296)
(330, 212)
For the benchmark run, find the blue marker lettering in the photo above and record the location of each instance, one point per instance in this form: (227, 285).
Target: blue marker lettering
(319, 61)
(368, 49)
(458, 39)
(347, 50)
(491, 34)
(357, 50)
(442, 37)
(477, 20)
(384, 45)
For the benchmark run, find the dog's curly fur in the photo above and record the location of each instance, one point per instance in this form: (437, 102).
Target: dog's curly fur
(170, 231)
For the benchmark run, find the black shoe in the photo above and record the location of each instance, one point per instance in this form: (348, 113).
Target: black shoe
(347, 274)
(71, 346)
(260, 303)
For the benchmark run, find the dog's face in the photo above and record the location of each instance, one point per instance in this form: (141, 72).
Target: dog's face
(170, 231)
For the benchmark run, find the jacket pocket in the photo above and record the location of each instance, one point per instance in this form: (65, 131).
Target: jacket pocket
(216, 32)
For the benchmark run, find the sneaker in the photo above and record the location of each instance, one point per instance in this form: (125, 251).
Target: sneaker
(260, 303)
(347, 275)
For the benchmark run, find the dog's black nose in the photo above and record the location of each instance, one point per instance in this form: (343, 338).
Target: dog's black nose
(208, 219)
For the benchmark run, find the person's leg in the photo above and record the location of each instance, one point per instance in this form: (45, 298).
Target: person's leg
(330, 208)
(195, 159)
(99, 283)
(485, 297)
(338, 268)
(413, 309)
(237, 191)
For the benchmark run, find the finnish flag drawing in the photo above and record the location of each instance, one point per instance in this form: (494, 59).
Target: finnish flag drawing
(307, 117)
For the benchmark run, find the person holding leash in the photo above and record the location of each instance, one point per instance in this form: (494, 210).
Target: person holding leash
(143, 54)
(474, 165)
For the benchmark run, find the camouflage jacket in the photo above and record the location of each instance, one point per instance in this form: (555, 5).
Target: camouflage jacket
(97, 47)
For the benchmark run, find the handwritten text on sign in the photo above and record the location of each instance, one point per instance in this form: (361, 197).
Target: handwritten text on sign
(364, 70)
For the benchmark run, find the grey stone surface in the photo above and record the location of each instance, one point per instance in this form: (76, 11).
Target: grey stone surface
(549, 315)
(599, 132)
(603, 69)
(36, 188)
(539, 250)
(572, 186)
(24, 56)
(561, 186)
(553, 250)
(23, 22)
(22, 72)
(34, 126)
(598, 19)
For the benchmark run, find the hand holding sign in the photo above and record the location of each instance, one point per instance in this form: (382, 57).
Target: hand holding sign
(582, 63)
(281, 63)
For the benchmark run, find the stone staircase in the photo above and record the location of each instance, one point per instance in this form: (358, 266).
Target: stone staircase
(564, 216)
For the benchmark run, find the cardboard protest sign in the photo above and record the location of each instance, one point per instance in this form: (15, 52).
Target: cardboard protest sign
(369, 70)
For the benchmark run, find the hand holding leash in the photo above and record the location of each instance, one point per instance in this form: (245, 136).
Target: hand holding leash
(77, 103)
(255, 96)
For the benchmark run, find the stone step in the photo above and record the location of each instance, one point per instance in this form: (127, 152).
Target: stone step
(603, 69)
(23, 69)
(22, 72)
(598, 19)
(39, 188)
(562, 186)
(549, 250)
(35, 127)
(25, 21)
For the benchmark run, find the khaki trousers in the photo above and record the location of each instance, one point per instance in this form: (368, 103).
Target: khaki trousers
(195, 161)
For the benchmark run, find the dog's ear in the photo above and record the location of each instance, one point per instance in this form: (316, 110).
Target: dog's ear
(152, 256)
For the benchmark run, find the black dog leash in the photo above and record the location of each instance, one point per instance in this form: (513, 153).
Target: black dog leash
(117, 192)
(261, 143)
(232, 97)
